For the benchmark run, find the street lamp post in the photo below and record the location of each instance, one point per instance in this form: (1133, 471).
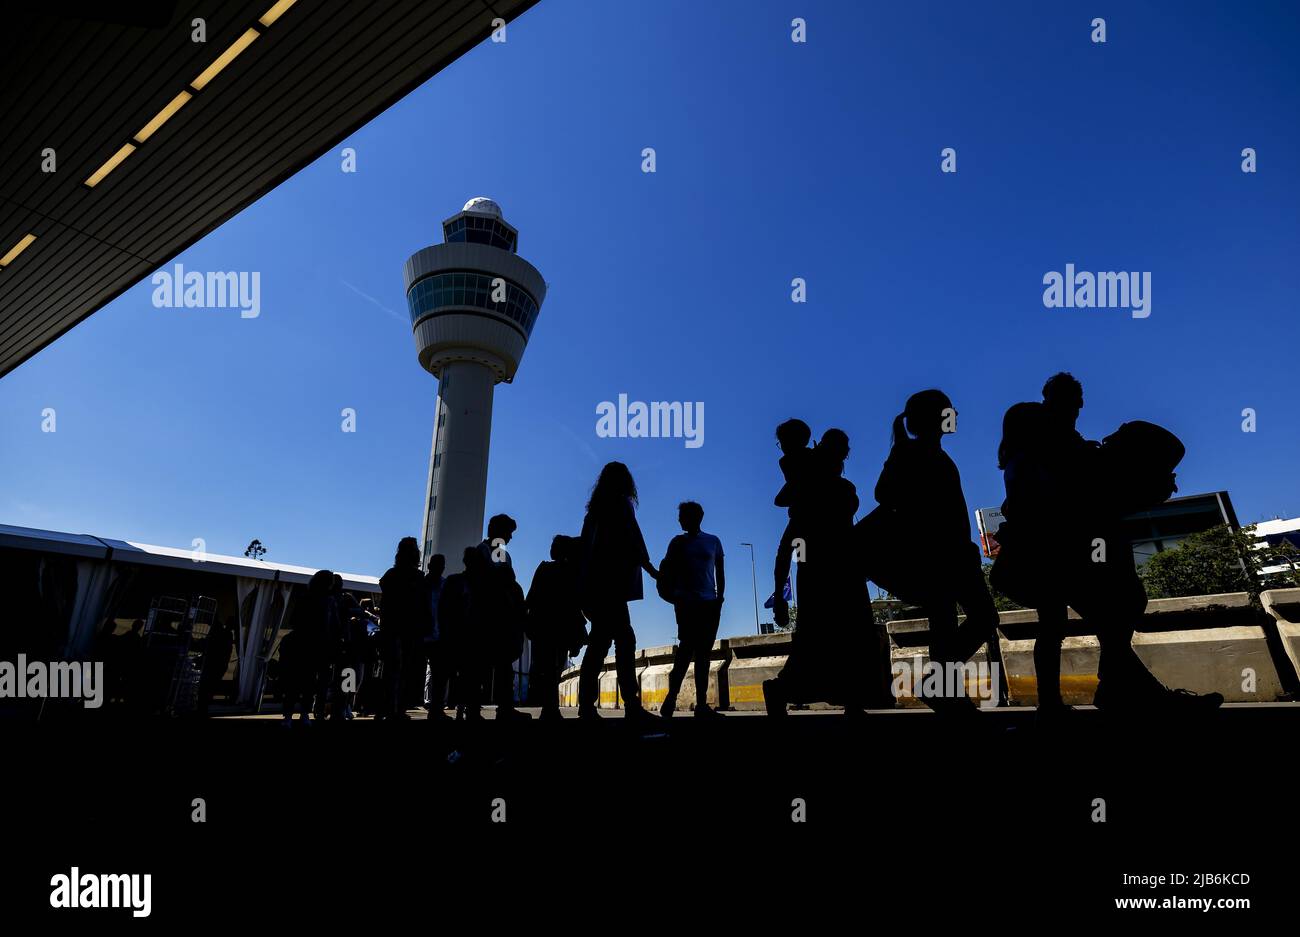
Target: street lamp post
(753, 574)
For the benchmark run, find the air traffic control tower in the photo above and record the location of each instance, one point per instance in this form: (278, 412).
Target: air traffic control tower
(473, 302)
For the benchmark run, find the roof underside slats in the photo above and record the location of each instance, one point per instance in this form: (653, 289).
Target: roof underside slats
(85, 87)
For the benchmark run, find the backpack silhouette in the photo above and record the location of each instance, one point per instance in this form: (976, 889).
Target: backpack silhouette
(1138, 462)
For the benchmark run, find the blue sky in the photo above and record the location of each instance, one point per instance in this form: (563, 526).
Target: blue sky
(775, 160)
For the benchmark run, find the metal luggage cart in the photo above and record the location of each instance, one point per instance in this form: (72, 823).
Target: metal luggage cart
(175, 637)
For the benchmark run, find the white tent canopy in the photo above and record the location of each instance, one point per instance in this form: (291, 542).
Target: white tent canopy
(149, 554)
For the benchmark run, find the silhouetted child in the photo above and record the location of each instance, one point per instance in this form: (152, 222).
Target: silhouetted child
(556, 625)
(793, 437)
(694, 569)
(797, 467)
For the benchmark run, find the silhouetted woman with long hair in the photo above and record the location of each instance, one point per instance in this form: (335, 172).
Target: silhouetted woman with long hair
(920, 491)
(614, 554)
(830, 652)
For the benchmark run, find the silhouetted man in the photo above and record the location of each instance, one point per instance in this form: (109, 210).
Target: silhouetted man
(459, 637)
(435, 693)
(694, 565)
(1069, 453)
(499, 609)
(401, 624)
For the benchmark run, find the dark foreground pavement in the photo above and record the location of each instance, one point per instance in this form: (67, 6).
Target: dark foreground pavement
(991, 823)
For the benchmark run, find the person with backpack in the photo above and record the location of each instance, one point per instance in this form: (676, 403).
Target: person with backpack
(920, 547)
(692, 577)
(556, 626)
(1062, 544)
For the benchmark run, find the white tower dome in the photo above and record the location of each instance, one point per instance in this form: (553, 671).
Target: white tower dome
(483, 206)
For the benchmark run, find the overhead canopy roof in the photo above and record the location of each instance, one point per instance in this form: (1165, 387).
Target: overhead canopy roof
(90, 82)
(148, 554)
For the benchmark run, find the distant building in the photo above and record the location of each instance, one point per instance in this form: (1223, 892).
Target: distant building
(1150, 532)
(1274, 533)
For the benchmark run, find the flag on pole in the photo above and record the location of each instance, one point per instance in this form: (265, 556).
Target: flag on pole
(785, 594)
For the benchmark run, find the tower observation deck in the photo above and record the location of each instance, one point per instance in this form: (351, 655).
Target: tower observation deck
(473, 302)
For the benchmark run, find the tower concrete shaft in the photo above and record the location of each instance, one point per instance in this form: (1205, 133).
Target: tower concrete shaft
(458, 462)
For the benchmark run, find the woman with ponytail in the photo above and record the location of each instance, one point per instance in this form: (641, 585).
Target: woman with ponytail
(930, 560)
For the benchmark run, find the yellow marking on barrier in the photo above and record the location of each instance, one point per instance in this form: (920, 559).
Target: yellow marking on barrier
(1028, 684)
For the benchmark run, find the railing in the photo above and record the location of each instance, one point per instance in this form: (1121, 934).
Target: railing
(1202, 643)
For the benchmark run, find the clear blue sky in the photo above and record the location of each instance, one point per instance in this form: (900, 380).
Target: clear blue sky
(775, 161)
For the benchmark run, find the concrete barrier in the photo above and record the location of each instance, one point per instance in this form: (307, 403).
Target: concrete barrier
(1208, 643)
(609, 696)
(754, 658)
(1284, 606)
(569, 687)
(917, 657)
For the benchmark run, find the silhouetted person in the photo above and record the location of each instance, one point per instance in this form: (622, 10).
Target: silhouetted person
(216, 660)
(304, 651)
(694, 567)
(1062, 445)
(1062, 403)
(499, 609)
(796, 462)
(348, 651)
(614, 554)
(556, 625)
(434, 653)
(462, 639)
(365, 647)
(835, 637)
(1062, 542)
(401, 625)
(925, 554)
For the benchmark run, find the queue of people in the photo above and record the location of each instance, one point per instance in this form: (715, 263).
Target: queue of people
(456, 639)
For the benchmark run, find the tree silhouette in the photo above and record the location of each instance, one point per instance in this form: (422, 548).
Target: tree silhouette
(255, 550)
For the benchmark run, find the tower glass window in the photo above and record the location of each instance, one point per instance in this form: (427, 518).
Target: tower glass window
(473, 290)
